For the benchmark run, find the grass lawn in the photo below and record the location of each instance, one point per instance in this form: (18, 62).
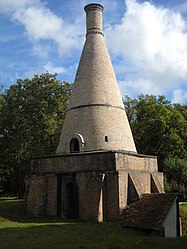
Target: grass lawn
(183, 205)
(19, 230)
(183, 215)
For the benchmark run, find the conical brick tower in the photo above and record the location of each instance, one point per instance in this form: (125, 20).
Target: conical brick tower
(108, 174)
(96, 119)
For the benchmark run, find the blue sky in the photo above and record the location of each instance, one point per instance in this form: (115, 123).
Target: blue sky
(147, 41)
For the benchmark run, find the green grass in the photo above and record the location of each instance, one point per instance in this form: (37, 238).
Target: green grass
(183, 215)
(183, 205)
(20, 230)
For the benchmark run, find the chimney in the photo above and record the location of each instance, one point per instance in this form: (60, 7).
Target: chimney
(96, 119)
(94, 18)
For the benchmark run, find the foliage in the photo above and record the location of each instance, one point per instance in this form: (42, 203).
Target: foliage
(32, 113)
(159, 129)
(176, 172)
(18, 230)
(31, 116)
(182, 109)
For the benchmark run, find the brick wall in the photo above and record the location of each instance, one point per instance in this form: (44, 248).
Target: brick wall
(36, 197)
(96, 107)
(94, 161)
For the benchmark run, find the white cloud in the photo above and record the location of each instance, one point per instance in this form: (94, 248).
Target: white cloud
(179, 96)
(54, 69)
(41, 50)
(154, 41)
(41, 24)
(182, 8)
(10, 6)
(150, 42)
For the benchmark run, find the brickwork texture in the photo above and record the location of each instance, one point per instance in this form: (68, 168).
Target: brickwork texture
(96, 109)
(103, 173)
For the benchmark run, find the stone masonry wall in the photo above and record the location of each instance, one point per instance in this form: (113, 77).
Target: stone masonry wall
(96, 161)
(101, 181)
(96, 106)
(141, 181)
(91, 196)
(97, 183)
(94, 17)
(137, 162)
(111, 196)
(36, 196)
(94, 124)
(51, 195)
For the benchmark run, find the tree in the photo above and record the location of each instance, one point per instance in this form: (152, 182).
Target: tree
(159, 129)
(176, 173)
(131, 109)
(31, 117)
(182, 109)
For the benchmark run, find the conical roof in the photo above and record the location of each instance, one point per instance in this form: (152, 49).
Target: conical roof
(96, 119)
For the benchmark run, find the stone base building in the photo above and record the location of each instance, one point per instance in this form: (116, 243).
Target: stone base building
(96, 171)
(92, 185)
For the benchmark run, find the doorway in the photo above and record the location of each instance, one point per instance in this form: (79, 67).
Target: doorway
(72, 201)
(67, 196)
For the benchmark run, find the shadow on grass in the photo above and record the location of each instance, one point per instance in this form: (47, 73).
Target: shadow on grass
(47, 233)
(46, 236)
(81, 236)
(14, 209)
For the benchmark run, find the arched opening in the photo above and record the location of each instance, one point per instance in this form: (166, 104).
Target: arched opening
(74, 145)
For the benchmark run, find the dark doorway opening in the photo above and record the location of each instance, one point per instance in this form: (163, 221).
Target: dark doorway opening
(74, 145)
(72, 200)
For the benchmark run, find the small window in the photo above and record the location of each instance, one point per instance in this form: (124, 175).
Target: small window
(74, 145)
(106, 138)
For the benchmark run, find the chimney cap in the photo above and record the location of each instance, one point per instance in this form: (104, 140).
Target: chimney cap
(93, 6)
